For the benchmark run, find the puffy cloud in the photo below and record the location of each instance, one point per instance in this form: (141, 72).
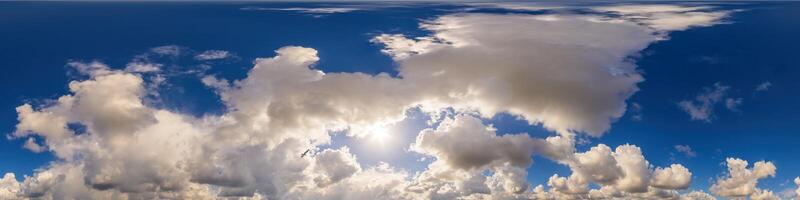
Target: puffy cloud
(533, 69)
(764, 195)
(568, 73)
(213, 55)
(334, 165)
(702, 107)
(401, 47)
(797, 183)
(9, 187)
(621, 173)
(686, 150)
(673, 177)
(31, 144)
(741, 181)
(465, 143)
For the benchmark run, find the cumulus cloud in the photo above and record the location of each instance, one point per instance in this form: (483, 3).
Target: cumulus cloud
(675, 176)
(534, 81)
(465, 143)
(569, 73)
(702, 107)
(401, 47)
(31, 144)
(797, 182)
(742, 182)
(9, 187)
(621, 172)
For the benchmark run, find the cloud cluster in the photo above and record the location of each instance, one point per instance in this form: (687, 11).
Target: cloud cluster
(620, 172)
(531, 74)
(797, 182)
(568, 73)
(741, 181)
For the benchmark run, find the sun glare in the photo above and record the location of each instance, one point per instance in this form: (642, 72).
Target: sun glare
(380, 135)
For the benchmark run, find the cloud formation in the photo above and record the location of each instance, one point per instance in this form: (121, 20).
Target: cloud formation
(741, 181)
(569, 73)
(213, 55)
(702, 107)
(686, 150)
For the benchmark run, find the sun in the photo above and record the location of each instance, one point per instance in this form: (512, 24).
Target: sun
(380, 135)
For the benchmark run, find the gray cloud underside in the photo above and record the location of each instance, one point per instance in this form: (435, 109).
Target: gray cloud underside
(568, 73)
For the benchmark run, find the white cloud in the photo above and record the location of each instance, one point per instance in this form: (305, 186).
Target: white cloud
(621, 173)
(31, 144)
(568, 73)
(91, 68)
(702, 107)
(697, 195)
(143, 67)
(668, 17)
(524, 79)
(636, 112)
(333, 166)
(523, 6)
(673, 177)
(742, 182)
(213, 55)
(401, 47)
(763, 86)
(686, 150)
(797, 182)
(167, 50)
(465, 143)
(9, 187)
(733, 104)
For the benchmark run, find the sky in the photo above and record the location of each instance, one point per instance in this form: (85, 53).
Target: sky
(332, 100)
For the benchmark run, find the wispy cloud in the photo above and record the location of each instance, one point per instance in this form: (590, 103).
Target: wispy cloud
(213, 55)
(324, 10)
(763, 86)
(702, 106)
(686, 150)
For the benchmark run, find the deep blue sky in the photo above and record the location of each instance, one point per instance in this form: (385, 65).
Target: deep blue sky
(760, 44)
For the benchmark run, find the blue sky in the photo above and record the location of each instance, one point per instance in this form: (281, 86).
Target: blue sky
(753, 44)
